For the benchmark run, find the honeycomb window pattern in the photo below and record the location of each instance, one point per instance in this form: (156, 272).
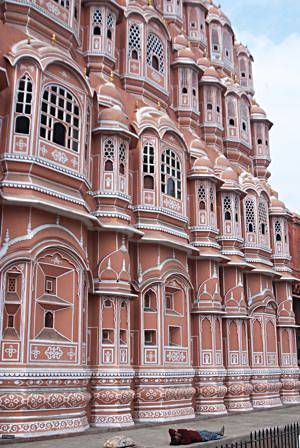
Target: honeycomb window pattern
(155, 49)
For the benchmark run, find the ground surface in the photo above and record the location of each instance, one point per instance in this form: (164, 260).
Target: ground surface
(236, 427)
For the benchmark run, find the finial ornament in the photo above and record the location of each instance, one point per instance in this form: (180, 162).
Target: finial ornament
(158, 105)
(111, 76)
(149, 2)
(248, 169)
(53, 39)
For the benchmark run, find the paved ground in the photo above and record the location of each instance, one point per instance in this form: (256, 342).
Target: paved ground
(237, 427)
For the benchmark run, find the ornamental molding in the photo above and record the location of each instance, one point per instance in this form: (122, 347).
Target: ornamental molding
(41, 162)
(204, 228)
(104, 194)
(111, 215)
(26, 186)
(162, 228)
(205, 244)
(165, 211)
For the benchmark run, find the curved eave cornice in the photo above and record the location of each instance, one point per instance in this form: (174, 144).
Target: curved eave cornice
(261, 118)
(112, 3)
(44, 60)
(209, 80)
(276, 211)
(219, 18)
(194, 176)
(147, 14)
(186, 62)
(104, 128)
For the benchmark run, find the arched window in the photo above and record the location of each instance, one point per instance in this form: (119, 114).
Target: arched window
(212, 199)
(202, 196)
(148, 166)
(109, 26)
(171, 174)
(60, 117)
(155, 53)
(109, 155)
(231, 111)
(49, 320)
(278, 231)
(244, 117)
(122, 158)
(263, 218)
(97, 22)
(215, 40)
(23, 105)
(134, 41)
(250, 215)
(227, 208)
(228, 43)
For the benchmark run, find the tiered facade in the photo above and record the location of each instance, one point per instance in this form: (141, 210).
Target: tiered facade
(145, 261)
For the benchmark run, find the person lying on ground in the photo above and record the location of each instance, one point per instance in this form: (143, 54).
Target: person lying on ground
(187, 436)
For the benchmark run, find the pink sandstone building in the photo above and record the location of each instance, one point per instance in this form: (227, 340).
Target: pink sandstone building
(146, 270)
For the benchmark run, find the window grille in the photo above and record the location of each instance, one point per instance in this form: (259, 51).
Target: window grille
(11, 284)
(228, 45)
(278, 231)
(122, 158)
(231, 112)
(110, 25)
(109, 155)
(134, 41)
(155, 52)
(236, 208)
(212, 198)
(215, 40)
(171, 174)
(244, 117)
(148, 159)
(23, 105)
(202, 197)
(97, 22)
(227, 208)
(263, 218)
(60, 117)
(250, 215)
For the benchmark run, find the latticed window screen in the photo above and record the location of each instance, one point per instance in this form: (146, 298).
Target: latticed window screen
(227, 44)
(202, 196)
(60, 117)
(24, 96)
(184, 81)
(109, 154)
(259, 133)
(148, 159)
(236, 208)
(11, 284)
(278, 231)
(122, 158)
(244, 117)
(231, 112)
(155, 49)
(263, 218)
(215, 40)
(134, 40)
(212, 199)
(110, 24)
(97, 21)
(171, 174)
(63, 3)
(250, 215)
(227, 208)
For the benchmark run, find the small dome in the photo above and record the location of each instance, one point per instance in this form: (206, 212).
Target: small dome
(215, 11)
(229, 175)
(203, 62)
(110, 92)
(114, 114)
(221, 163)
(180, 39)
(202, 163)
(275, 202)
(186, 53)
(211, 72)
(257, 110)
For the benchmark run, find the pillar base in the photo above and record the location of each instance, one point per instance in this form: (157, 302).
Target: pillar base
(210, 393)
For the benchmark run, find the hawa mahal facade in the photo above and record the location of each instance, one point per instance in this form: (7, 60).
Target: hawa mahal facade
(146, 271)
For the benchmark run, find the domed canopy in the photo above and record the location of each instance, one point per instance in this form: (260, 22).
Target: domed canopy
(109, 93)
(114, 114)
(181, 40)
(186, 53)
